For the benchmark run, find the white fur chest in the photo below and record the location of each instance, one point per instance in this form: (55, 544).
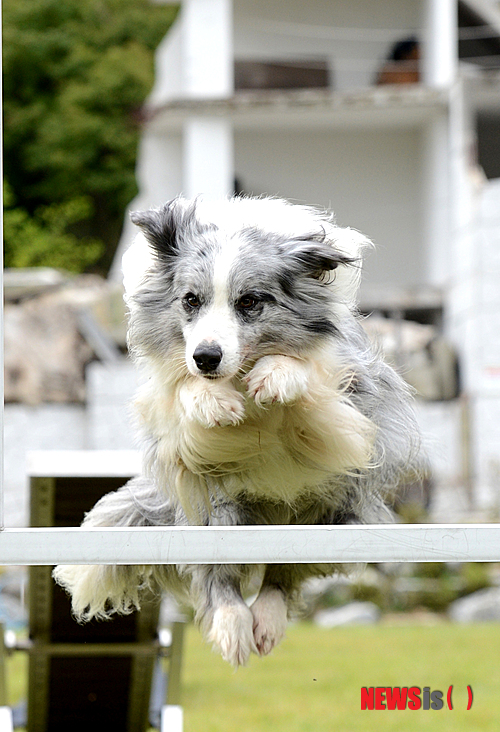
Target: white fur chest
(276, 451)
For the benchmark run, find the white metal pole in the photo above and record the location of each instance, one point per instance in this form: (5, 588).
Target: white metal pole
(252, 544)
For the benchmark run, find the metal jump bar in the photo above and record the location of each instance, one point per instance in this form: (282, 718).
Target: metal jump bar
(252, 544)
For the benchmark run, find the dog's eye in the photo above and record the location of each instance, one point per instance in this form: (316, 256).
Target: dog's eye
(192, 300)
(247, 302)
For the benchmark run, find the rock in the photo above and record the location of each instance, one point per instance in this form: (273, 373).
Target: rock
(427, 361)
(45, 355)
(46, 345)
(355, 613)
(481, 606)
(317, 587)
(31, 281)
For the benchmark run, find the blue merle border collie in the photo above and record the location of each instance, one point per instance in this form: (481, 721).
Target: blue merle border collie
(265, 404)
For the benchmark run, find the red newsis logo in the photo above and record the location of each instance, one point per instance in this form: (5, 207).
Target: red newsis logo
(404, 697)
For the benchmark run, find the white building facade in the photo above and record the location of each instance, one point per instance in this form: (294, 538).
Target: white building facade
(264, 97)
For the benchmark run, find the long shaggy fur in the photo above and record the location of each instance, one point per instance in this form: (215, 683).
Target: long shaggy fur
(265, 404)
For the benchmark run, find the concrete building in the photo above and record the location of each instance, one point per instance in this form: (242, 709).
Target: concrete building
(264, 97)
(282, 99)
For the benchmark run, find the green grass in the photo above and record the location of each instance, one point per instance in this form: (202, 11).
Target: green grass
(312, 682)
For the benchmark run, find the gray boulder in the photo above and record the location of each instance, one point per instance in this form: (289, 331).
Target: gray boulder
(355, 613)
(481, 606)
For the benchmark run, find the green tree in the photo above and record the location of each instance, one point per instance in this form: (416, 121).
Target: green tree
(75, 77)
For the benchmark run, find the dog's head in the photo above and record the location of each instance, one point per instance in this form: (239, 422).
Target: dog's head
(222, 283)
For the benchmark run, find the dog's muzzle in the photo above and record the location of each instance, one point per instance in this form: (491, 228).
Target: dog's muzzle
(207, 357)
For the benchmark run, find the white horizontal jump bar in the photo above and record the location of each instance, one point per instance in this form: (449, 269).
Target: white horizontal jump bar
(252, 544)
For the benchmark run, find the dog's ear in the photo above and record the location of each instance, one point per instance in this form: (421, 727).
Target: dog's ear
(315, 258)
(160, 227)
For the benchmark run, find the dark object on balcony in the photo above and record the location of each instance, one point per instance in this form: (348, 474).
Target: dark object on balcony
(402, 65)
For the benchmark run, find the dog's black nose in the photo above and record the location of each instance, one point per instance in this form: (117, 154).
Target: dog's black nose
(207, 357)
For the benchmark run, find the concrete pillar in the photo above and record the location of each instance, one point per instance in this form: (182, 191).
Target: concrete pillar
(207, 53)
(208, 166)
(440, 43)
(442, 137)
(207, 48)
(436, 182)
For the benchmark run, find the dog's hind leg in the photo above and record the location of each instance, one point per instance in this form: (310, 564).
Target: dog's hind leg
(279, 599)
(270, 618)
(98, 591)
(222, 613)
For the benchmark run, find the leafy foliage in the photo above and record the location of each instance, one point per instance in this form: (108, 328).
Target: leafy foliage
(43, 239)
(75, 77)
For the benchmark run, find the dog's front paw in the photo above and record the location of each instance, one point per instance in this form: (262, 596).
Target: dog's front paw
(232, 633)
(212, 404)
(269, 619)
(280, 379)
